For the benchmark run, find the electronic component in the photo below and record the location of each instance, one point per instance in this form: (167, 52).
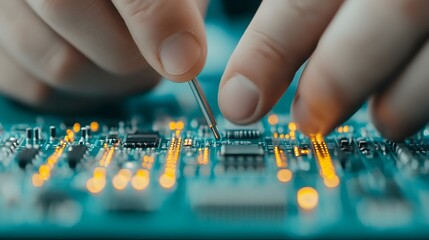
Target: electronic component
(75, 155)
(242, 134)
(52, 132)
(261, 178)
(26, 156)
(241, 150)
(113, 137)
(142, 140)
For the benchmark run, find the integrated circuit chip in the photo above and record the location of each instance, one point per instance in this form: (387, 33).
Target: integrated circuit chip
(26, 156)
(242, 150)
(142, 140)
(244, 134)
(76, 154)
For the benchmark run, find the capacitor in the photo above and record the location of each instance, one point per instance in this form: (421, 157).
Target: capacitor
(88, 131)
(84, 132)
(29, 133)
(37, 134)
(52, 132)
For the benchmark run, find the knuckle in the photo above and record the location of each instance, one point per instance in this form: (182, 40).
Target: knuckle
(142, 10)
(133, 64)
(415, 10)
(305, 8)
(267, 48)
(53, 8)
(60, 64)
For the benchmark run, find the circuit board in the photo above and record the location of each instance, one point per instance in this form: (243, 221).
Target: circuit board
(169, 177)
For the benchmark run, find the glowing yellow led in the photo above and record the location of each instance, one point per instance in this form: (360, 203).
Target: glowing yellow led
(76, 127)
(327, 168)
(94, 126)
(307, 198)
(172, 125)
(275, 135)
(44, 172)
(141, 180)
(292, 126)
(125, 173)
(140, 183)
(69, 135)
(120, 182)
(296, 151)
(37, 180)
(167, 181)
(346, 129)
(99, 172)
(284, 175)
(273, 119)
(168, 178)
(340, 129)
(280, 157)
(332, 181)
(107, 156)
(180, 125)
(95, 185)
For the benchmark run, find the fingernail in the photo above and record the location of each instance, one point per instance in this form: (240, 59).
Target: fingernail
(239, 99)
(305, 119)
(179, 53)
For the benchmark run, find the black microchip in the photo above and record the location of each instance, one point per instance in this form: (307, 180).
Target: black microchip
(142, 140)
(242, 134)
(112, 138)
(241, 150)
(76, 154)
(26, 156)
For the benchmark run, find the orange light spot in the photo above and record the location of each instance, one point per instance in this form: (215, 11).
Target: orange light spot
(273, 119)
(284, 175)
(140, 182)
(292, 126)
(331, 182)
(95, 186)
(172, 125)
(37, 180)
(166, 181)
(307, 198)
(76, 127)
(120, 182)
(94, 126)
(44, 172)
(180, 125)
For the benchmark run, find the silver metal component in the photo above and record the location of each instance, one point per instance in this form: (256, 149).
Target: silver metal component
(204, 106)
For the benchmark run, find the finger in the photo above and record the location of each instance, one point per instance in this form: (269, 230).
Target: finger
(94, 28)
(280, 37)
(45, 55)
(355, 57)
(403, 108)
(18, 85)
(170, 35)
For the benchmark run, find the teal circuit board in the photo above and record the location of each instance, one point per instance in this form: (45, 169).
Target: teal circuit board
(168, 177)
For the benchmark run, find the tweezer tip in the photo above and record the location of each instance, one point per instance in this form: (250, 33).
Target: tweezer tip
(215, 131)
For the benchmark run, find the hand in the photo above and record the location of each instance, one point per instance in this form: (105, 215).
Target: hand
(63, 53)
(359, 50)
